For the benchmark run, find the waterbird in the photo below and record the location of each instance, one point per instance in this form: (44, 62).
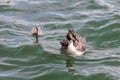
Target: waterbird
(36, 31)
(74, 45)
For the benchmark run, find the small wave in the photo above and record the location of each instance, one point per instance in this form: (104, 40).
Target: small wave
(105, 3)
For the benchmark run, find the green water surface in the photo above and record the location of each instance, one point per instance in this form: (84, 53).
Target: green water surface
(22, 59)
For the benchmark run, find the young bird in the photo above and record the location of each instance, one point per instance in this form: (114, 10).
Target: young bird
(75, 44)
(36, 31)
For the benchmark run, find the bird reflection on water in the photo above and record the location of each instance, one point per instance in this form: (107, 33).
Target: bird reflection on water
(36, 32)
(74, 46)
(71, 67)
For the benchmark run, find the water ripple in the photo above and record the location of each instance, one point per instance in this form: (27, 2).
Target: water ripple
(21, 58)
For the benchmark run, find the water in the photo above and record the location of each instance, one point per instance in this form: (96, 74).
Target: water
(22, 59)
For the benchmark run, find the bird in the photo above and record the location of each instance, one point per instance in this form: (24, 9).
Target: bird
(74, 44)
(36, 31)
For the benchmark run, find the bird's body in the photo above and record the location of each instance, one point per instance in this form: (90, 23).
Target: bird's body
(73, 51)
(75, 44)
(36, 31)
